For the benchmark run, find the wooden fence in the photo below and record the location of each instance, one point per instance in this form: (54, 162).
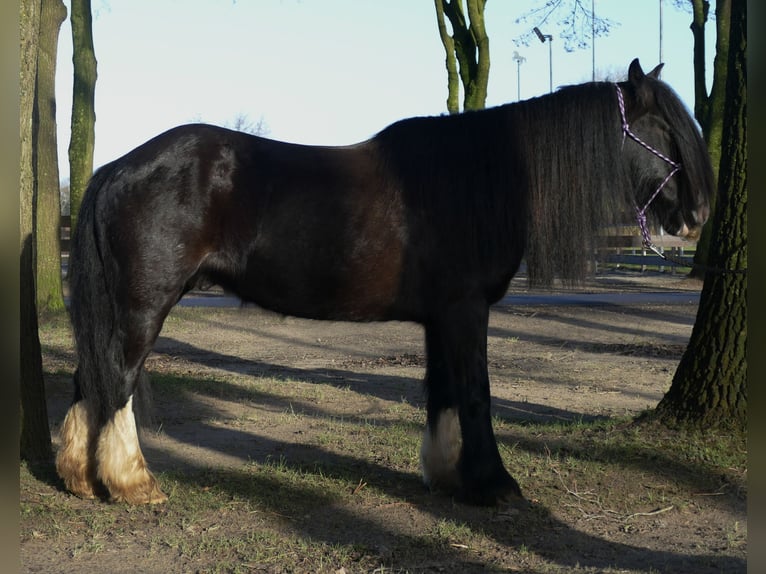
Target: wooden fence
(622, 246)
(618, 246)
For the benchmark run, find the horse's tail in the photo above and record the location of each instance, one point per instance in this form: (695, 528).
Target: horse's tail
(94, 277)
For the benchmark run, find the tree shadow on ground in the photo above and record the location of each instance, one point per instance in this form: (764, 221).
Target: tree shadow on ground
(627, 327)
(382, 386)
(536, 530)
(643, 456)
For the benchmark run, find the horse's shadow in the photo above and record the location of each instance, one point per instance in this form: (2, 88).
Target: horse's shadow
(535, 529)
(382, 386)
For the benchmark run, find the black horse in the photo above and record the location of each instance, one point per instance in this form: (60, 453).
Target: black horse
(428, 221)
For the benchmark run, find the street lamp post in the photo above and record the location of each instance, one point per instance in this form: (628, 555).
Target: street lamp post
(660, 61)
(543, 38)
(519, 61)
(593, 38)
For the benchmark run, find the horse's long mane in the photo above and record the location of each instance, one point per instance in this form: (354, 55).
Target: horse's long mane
(541, 175)
(696, 174)
(572, 142)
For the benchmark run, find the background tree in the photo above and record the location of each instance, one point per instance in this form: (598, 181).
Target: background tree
(576, 22)
(708, 106)
(710, 385)
(47, 214)
(35, 433)
(83, 135)
(243, 123)
(467, 52)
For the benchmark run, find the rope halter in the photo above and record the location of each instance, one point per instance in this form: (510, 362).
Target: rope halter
(626, 131)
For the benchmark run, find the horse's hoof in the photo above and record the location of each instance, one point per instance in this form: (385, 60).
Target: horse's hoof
(81, 489)
(512, 501)
(494, 498)
(151, 495)
(504, 491)
(78, 480)
(145, 492)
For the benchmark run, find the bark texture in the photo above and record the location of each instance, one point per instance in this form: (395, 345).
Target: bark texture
(83, 132)
(47, 215)
(467, 52)
(35, 439)
(709, 107)
(709, 388)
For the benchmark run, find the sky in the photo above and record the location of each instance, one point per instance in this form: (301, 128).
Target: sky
(331, 72)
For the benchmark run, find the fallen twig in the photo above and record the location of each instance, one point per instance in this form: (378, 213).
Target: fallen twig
(359, 486)
(652, 513)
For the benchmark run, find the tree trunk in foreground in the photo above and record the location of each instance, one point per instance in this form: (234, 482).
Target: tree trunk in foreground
(35, 433)
(710, 385)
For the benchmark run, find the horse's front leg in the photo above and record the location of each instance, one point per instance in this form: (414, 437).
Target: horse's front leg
(459, 452)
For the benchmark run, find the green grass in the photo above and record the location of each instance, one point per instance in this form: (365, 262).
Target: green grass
(620, 467)
(259, 515)
(358, 503)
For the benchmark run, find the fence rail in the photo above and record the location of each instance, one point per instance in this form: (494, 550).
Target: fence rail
(623, 246)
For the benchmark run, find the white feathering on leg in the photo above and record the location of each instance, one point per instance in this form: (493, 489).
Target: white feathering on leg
(74, 462)
(121, 464)
(440, 452)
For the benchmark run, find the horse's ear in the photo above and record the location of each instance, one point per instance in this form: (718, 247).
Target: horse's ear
(637, 79)
(656, 72)
(635, 73)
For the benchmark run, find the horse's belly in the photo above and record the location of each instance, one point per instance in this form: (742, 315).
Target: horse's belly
(324, 288)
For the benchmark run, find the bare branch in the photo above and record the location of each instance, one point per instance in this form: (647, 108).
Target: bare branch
(576, 22)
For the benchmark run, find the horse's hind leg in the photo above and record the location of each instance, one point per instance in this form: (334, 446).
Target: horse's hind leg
(100, 453)
(105, 462)
(121, 466)
(75, 460)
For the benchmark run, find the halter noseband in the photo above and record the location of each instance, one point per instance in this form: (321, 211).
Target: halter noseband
(626, 131)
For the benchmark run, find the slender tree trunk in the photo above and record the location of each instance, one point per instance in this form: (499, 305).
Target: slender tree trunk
(35, 434)
(469, 47)
(710, 385)
(453, 79)
(83, 105)
(700, 10)
(47, 213)
(478, 65)
(709, 108)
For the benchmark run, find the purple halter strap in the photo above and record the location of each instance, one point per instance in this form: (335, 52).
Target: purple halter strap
(626, 131)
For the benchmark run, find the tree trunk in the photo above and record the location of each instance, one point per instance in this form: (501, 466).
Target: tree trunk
(35, 443)
(710, 385)
(469, 47)
(453, 85)
(708, 108)
(47, 218)
(83, 105)
(700, 10)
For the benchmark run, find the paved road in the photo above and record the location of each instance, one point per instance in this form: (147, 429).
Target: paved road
(595, 299)
(553, 299)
